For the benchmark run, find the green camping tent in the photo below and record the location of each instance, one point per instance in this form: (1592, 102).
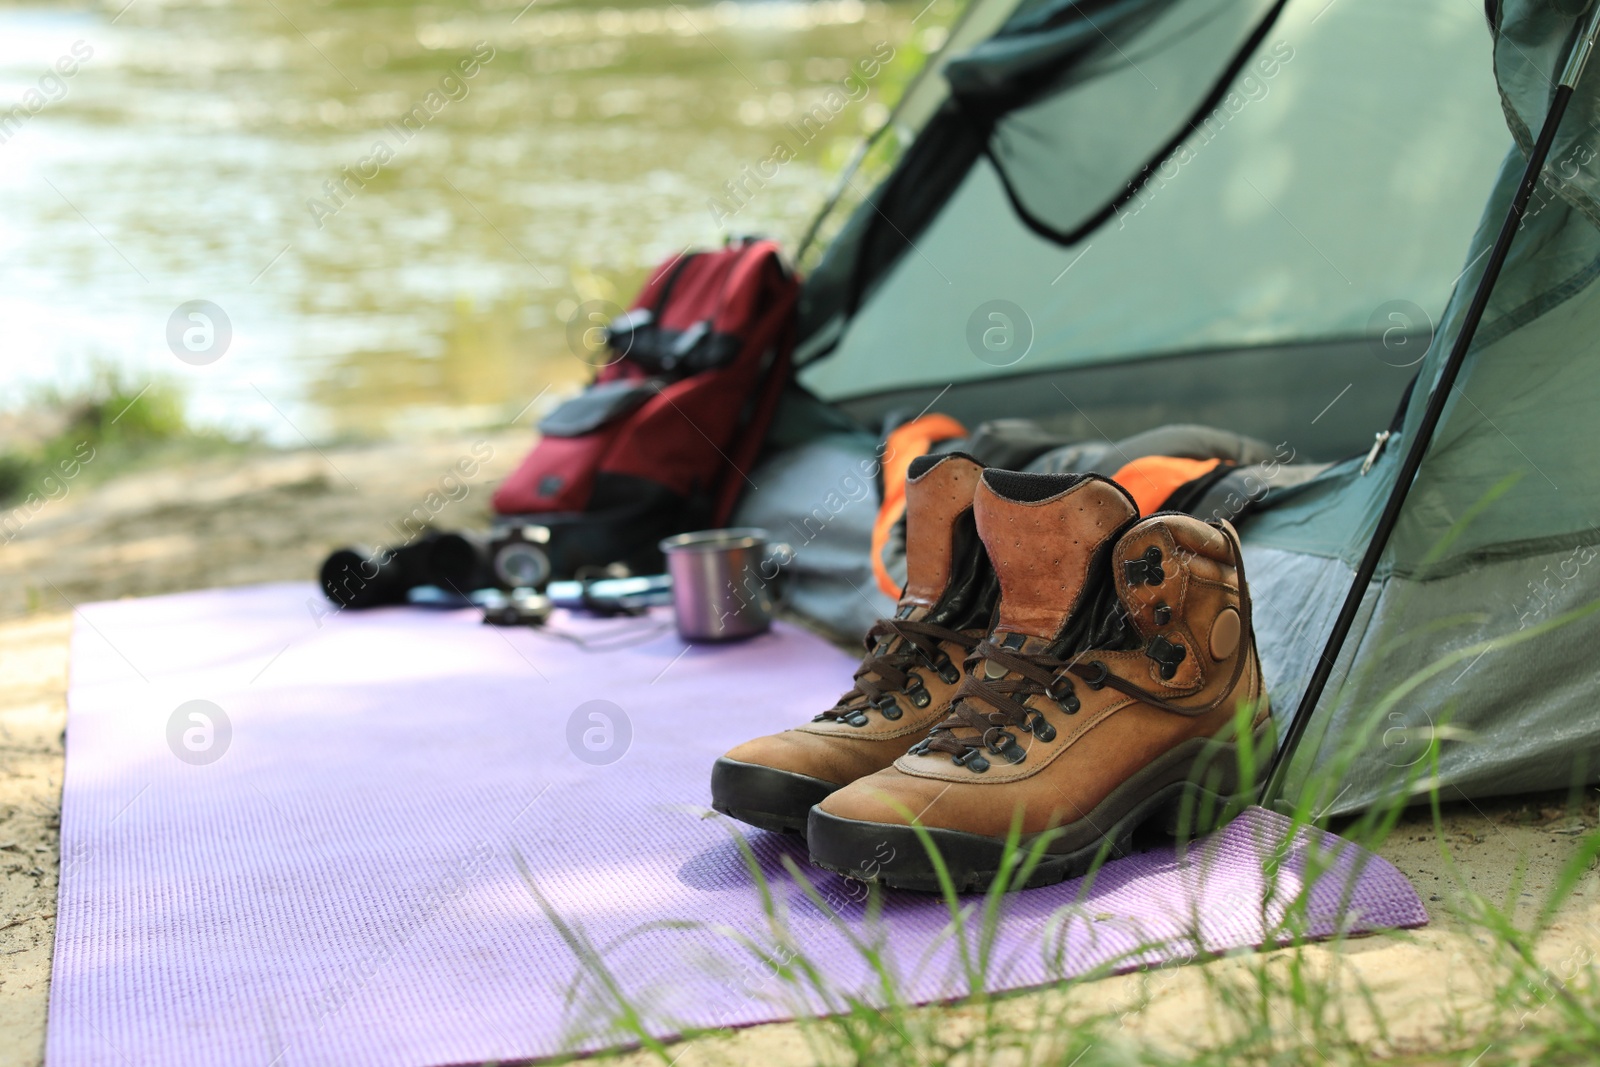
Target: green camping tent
(1266, 216)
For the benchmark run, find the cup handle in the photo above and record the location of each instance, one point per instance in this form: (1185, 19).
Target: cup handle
(779, 555)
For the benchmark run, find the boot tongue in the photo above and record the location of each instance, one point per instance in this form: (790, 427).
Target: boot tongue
(935, 498)
(1043, 532)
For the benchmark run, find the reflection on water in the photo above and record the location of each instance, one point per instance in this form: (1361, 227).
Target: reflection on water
(397, 205)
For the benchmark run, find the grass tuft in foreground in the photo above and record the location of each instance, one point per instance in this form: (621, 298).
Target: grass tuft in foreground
(1308, 995)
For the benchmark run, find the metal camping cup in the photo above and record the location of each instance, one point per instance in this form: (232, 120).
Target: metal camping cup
(724, 582)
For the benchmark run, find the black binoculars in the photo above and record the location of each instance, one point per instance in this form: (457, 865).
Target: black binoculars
(460, 563)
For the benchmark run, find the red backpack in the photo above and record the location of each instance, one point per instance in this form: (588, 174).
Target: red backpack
(662, 440)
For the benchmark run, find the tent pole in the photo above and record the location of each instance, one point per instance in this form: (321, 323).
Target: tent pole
(1582, 48)
(858, 154)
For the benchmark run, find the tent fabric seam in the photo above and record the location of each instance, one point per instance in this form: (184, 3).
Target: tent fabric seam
(1543, 304)
(1505, 552)
(1117, 361)
(1523, 136)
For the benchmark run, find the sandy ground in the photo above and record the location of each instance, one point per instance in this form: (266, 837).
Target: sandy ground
(273, 517)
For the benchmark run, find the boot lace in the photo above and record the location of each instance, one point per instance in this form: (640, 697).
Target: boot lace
(985, 710)
(896, 649)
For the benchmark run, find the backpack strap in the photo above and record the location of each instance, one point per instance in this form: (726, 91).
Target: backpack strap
(645, 342)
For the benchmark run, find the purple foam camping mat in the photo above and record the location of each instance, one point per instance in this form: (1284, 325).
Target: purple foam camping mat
(293, 837)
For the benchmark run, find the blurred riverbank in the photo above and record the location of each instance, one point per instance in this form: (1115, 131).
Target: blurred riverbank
(535, 156)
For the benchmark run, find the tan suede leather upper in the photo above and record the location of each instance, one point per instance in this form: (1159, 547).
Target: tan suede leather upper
(933, 502)
(834, 751)
(1042, 550)
(1186, 594)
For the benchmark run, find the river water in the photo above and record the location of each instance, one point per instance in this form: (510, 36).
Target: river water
(164, 152)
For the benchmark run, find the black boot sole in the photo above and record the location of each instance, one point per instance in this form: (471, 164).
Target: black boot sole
(1188, 791)
(765, 797)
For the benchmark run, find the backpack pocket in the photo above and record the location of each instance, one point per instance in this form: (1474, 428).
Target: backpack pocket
(598, 405)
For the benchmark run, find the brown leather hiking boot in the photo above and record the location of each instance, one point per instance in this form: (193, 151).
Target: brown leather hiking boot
(906, 680)
(1105, 695)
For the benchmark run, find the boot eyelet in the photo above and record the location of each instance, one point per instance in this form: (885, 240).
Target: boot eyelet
(855, 718)
(1162, 614)
(1146, 569)
(1098, 679)
(890, 708)
(1005, 746)
(972, 761)
(1060, 690)
(1040, 727)
(941, 665)
(1168, 654)
(918, 695)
